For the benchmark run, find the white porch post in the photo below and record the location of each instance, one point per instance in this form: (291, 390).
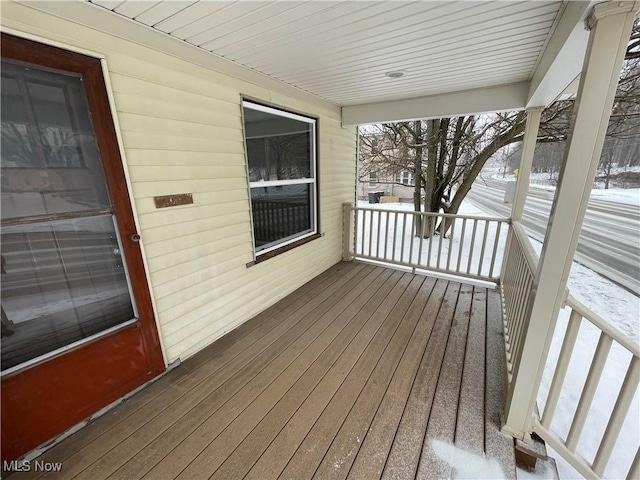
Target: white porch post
(348, 233)
(528, 148)
(610, 27)
(524, 171)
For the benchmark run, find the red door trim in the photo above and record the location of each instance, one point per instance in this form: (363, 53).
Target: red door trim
(91, 376)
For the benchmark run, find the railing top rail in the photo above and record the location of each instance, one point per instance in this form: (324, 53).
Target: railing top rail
(530, 254)
(433, 214)
(603, 325)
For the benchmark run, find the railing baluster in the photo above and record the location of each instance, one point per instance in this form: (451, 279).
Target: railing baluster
(484, 244)
(395, 232)
(461, 249)
(627, 392)
(451, 235)
(440, 240)
(404, 231)
(378, 234)
(589, 390)
(432, 228)
(495, 249)
(568, 344)
(473, 241)
(423, 221)
(370, 232)
(356, 236)
(386, 232)
(411, 239)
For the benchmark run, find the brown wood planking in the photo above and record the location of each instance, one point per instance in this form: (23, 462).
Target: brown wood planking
(288, 440)
(339, 458)
(444, 412)
(239, 340)
(470, 422)
(378, 440)
(497, 444)
(202, 381)
(314, 384)
(404, 456)
(357, 395)
(311, 451)
(296, 395)
(215, 452)
(213, 392)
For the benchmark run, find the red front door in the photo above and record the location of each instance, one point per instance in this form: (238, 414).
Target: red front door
(78, 330)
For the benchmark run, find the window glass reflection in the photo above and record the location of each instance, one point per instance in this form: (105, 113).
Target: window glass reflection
(49, 156)
(280, 213)
(62, 281)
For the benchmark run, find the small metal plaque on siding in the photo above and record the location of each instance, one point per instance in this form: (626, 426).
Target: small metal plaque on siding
(173, 200)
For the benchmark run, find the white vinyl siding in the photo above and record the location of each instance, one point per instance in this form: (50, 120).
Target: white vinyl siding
(181, 129)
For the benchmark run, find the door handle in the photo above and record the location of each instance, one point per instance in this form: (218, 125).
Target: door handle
(134, 237)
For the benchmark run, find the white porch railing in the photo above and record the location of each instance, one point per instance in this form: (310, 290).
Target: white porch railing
(473, 248)
(470, 247)
(518, 292)
(585, 408)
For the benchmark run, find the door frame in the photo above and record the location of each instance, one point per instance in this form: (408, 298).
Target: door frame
(135, 348)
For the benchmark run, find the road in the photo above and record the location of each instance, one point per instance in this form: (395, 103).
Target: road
(610, 239)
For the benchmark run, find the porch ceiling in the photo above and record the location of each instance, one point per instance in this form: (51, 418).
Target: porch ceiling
(341, 51)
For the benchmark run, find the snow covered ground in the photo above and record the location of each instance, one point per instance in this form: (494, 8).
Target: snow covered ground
(627, 196)
(615, 305)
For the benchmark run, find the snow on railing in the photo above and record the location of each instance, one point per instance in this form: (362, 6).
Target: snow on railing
(611, 409)
(460, 245)
(518, 292)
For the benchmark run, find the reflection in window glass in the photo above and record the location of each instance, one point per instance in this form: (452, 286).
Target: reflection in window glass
(280, 213)
(62, 281)
(50, 160)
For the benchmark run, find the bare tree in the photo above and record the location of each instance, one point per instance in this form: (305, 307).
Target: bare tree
(444, 155)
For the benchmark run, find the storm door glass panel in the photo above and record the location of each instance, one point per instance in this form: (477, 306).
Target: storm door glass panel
(63, 278)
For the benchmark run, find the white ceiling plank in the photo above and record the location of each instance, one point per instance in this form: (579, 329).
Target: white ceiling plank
(563, 56)
(191, 14)
(110, 4)
(466, 28)
(340, 50)
(437, 58)
(504, 41)
(446, 79)
(451, 70)
(294, 14)
(133, 8)
(228, 13)
(162, 11)
(301, 30)
(347, 30)
(248, 22)
(504, 98)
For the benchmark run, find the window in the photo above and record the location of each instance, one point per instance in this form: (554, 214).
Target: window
(405, 178)
(281, 164)
(373, 179)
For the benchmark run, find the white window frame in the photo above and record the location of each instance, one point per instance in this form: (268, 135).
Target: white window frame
(405, 178)
(311, 181)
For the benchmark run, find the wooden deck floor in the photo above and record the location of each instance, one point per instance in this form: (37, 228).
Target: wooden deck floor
(365, 372)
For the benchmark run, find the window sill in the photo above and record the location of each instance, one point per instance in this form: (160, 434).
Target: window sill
(283, 249)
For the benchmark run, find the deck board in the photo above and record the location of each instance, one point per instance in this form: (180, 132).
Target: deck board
(354, 375)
